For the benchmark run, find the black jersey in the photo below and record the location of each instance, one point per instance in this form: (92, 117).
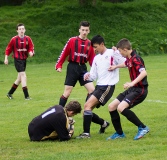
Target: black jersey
(51, 124)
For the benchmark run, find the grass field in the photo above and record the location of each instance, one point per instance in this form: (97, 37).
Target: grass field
(45, 87)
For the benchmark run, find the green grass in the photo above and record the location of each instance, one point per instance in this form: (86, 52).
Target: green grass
(45, 87)
(51, 23)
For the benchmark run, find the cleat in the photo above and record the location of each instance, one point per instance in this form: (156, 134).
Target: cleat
(102, 129)
(141, 132)
(116, 136)
(83, 135)
(28, 98)
(9, 96)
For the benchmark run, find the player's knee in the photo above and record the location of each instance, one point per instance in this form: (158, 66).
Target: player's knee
(87, 106)
(112, 107)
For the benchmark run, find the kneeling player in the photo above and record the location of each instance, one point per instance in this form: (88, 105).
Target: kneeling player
(54, 123)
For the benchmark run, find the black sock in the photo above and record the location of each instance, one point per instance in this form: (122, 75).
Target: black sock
(115, 118)
(96, 119)
(25, 91)
(63, 101)
(87, 121)
(13, 88)
(131, 116)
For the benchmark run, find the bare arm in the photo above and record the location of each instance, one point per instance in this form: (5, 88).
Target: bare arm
(142, 74)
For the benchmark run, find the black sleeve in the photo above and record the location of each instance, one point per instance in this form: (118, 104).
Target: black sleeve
(60, 128)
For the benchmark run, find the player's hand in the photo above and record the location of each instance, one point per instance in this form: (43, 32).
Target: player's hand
(71, 133)
(71, 120)
(6, 61)
(111, 68)
(114, 48)
(31, 54)
(86, 76)
(128, 85)
(58, 69)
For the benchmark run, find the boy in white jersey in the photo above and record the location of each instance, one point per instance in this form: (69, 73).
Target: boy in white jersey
(105, 86)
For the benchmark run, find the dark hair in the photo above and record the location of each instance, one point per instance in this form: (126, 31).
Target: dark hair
(84, 23)
(124, 43)
(18, 25)
(97, 40)
(74, 106)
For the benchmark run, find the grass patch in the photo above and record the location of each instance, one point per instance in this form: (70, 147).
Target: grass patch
(45, 87)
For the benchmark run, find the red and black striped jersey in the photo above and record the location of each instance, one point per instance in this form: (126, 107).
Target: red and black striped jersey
(135, 64)
(77, 50)
(20, 47)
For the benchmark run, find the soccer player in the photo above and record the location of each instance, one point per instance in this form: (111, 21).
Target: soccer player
(79, 51)
(54, 123)
(21, 46)
(105, 86)
(135, 91)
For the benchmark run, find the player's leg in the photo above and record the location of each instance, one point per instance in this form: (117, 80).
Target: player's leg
(70, 82)
(66, 94)
(89, 86)
(96, 119)
(103, 94)
(21, 69)
(115, 119)
(87, 117)
(24, 84)
(14, 87)
(104, 124)
(129, 102)
(17, 81)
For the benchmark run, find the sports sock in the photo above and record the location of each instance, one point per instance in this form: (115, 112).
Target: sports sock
(25, 91)
(63, 101)
(13, 88)
(87, 121)
(96, 119)
(131, 116)
(115, 118)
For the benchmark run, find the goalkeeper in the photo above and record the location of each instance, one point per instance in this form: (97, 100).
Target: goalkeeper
(54, 123)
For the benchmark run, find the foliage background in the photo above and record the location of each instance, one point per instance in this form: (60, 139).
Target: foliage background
(51, 23)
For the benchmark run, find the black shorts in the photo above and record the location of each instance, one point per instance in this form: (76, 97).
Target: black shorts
(103, 93)
(133, 96)
(20, 64)
(75, 72)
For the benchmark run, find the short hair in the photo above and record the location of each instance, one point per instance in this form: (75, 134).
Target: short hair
(124, 43)
(18, 25)
(97, 40)
(74, 106)
(84, 23)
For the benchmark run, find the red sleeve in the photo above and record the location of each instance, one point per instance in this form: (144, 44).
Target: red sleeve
(91, 55)
(9, 47)
(65, 52)
(31, 45)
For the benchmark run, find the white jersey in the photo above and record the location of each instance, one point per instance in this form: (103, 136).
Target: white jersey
(101, 63)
